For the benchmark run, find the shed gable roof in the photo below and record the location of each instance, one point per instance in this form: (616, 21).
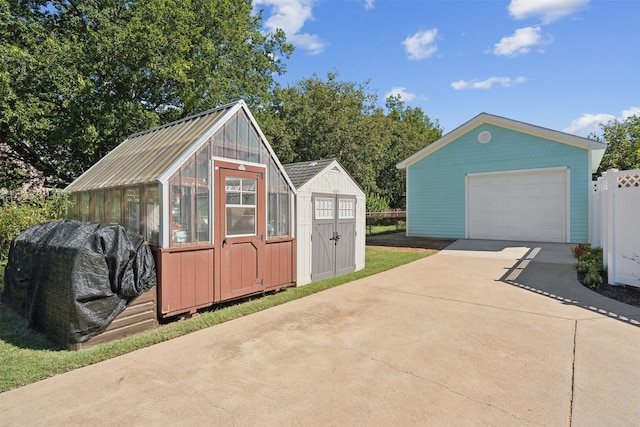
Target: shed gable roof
(302, 172)
(595, 147)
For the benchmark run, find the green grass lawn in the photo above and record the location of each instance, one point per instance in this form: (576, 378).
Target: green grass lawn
(384, 229)
(27, 356)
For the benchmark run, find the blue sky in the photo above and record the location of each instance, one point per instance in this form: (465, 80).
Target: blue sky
(566, 65)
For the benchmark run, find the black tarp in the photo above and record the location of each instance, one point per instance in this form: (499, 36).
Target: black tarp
(71, 278)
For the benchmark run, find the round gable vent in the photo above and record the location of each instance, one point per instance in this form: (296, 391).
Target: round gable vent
(484, 137)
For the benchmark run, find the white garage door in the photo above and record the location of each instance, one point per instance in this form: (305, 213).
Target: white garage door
(523, 205)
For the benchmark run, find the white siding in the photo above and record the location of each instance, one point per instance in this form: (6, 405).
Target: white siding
(332, 180)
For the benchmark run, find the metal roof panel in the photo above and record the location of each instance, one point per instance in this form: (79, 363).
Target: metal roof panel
(145, 156)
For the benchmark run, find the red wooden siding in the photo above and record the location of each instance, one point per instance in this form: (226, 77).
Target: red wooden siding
(185, 279)
(281, 263)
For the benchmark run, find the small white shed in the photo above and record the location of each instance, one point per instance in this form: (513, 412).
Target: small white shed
(330, 220)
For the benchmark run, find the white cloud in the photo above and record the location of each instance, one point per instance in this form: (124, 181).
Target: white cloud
(369, 4)
(290, 16)
(588, 123)
(401, 92)
(520, 42)
(488, 83)
(421, 45)
(547, 10)
(633, 111)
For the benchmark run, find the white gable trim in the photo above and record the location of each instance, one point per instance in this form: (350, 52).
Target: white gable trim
(596, 148)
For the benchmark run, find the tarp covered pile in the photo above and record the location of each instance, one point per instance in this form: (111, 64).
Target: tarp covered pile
(71, 279)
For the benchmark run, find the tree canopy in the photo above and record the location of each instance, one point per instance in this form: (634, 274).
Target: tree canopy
(623, 144)
(77, 77)
(316, 119)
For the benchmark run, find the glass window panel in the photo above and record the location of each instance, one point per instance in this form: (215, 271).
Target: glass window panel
(241, 221)
(74, 202)
(243, 137)
(324, 208)
(346, 208)
(248, 198)
(231, 138)
(202, 197)
(151, 222)
(249, 185)
(181, 207)
(283, 225)
(278, 211)
(83, 205)
(218, 143)
(232, 184)
(233, 198)
(99, 206)
(254, 146)
(132, 208)
(115, 205)
(272, 214)
(264, 153)
(202, 214)
(202, 165)
(241, 206)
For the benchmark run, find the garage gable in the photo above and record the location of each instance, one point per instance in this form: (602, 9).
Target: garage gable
(595, 148)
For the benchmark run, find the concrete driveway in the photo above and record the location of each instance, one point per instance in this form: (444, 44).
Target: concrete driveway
(483, 333)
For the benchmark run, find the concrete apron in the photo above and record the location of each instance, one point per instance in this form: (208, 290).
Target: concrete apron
(483, 333)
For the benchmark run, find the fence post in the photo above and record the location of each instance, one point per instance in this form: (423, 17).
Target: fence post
(595, 222)
(609, 249)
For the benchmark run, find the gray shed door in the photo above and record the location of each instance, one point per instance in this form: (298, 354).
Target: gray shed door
(333, 249)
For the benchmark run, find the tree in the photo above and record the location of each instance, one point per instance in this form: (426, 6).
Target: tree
(315, 119)
(410, 131)
(76, 78)
(623, 144)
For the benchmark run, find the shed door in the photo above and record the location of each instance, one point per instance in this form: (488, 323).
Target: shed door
(523, 205)
(241, 231)
(333, 236)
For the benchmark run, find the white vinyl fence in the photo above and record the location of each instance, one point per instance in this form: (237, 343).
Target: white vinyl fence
(615, 224)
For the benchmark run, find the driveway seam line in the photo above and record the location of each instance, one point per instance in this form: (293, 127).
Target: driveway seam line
(482, 305)
(573, 373)
(413, 374)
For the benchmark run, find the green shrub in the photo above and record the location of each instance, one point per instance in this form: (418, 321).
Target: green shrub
(16, 215)
(590, 265)
(377, 203)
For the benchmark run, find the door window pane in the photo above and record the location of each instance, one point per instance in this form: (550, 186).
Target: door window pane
(324, 208)
(241, 221)
(240, 196)
(346, 208)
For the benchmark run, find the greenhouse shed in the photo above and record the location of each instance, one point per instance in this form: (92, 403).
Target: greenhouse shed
(330, 220)
(212, 199)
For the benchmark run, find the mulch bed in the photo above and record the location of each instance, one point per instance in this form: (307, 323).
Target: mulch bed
(626, 294)
(401, 242)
